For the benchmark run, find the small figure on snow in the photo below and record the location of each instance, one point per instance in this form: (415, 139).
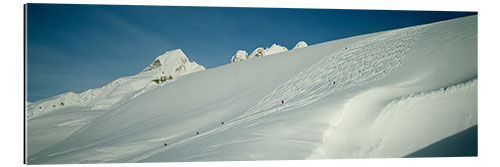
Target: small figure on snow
(197, 133)
(165, 144)
(282, 101)
(222, 122)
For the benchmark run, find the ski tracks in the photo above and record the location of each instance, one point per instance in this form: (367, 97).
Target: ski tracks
(358, 63)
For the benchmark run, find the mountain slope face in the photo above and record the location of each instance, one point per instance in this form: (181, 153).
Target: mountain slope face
(386, 94)
(172, 63)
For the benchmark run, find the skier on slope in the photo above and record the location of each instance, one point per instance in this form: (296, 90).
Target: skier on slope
(282, 102)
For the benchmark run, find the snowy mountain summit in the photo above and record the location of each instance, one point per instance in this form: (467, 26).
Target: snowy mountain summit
(175, 62)
(240, 55)
(300, 44)
(171, 64)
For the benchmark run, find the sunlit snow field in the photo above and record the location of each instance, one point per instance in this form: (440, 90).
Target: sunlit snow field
(385, 94)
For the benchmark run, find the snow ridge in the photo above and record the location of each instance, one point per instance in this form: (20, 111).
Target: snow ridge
(174, 61)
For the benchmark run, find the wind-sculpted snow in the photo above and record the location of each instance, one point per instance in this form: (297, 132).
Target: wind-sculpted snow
(402, 125)
(389, 141)
(356, 64)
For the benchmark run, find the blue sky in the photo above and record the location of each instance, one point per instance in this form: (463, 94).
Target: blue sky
(80, 47)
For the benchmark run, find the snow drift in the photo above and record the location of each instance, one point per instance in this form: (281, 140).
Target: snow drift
(385, 94)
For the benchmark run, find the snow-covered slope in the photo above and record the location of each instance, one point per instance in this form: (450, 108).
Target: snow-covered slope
(386, 94)
(53, 119)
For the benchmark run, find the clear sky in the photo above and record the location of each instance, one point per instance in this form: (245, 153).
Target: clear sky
(80, 47)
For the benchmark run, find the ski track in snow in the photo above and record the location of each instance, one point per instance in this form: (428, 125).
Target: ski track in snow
(358, 63)
(362, 62)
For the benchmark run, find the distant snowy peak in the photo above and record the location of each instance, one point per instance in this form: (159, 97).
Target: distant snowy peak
(169, 59)
(240, 55)
(268, 51)
(257, 53)
(300, 44)
(172, 64)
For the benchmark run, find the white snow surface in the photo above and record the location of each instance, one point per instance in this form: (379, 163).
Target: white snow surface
(385, 94)
(300, 44)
